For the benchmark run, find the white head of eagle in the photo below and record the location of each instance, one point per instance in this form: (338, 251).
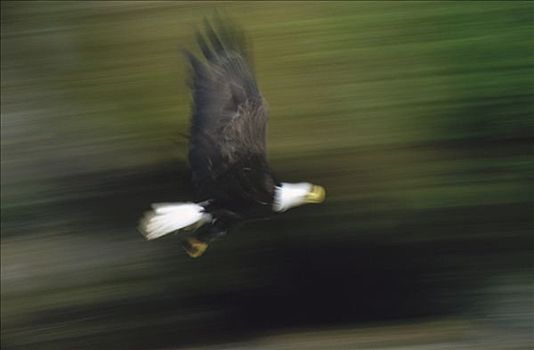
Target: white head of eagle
(227, 150)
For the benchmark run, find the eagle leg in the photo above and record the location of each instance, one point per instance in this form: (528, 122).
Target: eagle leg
(194, 247)
(197, 244)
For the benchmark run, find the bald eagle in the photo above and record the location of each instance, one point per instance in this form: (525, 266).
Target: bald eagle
(227, 150)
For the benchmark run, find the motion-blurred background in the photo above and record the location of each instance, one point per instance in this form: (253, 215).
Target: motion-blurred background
(416, 117)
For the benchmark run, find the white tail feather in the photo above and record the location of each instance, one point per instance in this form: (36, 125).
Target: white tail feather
(169, 217)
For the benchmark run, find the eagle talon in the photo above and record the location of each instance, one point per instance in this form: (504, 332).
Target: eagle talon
(193, 247)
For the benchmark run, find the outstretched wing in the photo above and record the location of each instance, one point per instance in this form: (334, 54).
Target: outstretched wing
(229, 116)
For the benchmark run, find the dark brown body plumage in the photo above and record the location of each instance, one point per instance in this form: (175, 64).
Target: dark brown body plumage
(227, 149)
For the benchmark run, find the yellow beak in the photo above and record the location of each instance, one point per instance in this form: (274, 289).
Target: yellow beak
(316, 194)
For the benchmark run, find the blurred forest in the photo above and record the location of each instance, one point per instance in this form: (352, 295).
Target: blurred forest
(417, 117)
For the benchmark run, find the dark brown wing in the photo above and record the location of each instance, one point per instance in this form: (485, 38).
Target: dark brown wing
(229, 118)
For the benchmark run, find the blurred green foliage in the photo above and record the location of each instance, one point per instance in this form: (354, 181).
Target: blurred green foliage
(416, 116)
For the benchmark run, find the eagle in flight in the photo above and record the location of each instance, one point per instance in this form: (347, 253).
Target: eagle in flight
(227, 150)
